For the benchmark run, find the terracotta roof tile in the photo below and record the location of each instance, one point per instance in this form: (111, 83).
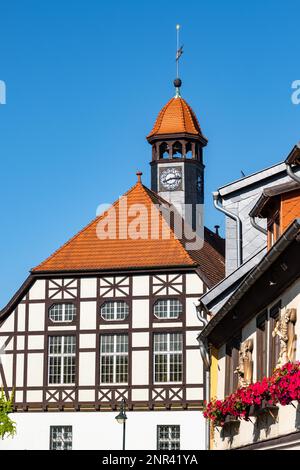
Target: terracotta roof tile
(86, 252)
(176, 117)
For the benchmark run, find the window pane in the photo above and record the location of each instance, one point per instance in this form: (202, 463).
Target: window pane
(167, 308)
(114, 310)
(168, 357)
(168, 437)
(60, 437)
(121, 369)
(62, 312)
(175, 367)
(62, 350)
(54, 370)
(107, 369)
(114, 359)
(69, 370)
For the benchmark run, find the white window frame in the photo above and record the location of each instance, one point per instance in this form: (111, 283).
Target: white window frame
(62, 356)
(169, 440)
(64, 314)
(115, 304)
(63, 430)
(168, 312)
(114, 354)
(168, 354)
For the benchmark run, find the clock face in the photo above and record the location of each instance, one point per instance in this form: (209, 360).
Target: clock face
(171, 178)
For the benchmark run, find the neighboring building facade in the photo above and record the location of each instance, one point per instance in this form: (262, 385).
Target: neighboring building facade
(107, 318)
(253, 316)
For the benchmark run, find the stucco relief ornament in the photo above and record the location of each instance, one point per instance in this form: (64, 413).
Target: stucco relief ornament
(285, 330)
(245, 367)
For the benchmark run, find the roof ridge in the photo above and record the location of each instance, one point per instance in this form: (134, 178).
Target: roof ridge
(159, 120)
(182, 101)
(193, 117)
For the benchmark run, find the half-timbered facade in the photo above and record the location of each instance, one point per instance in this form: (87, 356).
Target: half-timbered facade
(106, 319)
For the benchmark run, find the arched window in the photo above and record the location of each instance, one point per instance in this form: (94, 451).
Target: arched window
(114, 310)
(167, 309)
(189, 153)
(62, 312)
(177, 150)
(164, 150)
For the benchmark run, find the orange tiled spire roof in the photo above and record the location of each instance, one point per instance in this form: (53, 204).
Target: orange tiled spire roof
(176, 117)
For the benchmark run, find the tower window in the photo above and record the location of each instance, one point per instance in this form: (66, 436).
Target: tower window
(115, 310)
(188, 152)
(167, 309)
(177, 150)
(164, 150)
(62, 312)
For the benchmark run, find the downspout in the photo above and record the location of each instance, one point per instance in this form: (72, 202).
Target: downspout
(203, 346)
(258, 227)
(291, 173)
(216, 196)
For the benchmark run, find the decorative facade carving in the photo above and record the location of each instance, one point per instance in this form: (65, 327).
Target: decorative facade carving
(245, 367)
(285, 330)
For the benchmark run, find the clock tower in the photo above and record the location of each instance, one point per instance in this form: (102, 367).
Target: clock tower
(177, 169)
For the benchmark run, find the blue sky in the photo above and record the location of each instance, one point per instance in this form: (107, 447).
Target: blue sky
(85, 81)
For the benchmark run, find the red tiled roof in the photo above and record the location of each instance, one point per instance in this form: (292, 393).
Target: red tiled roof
(87, 252)
(176, 117)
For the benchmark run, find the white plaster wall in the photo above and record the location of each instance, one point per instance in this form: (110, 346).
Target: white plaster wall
(191, 313)
(38, 290)
(8, 324)
(87, 366)
(191, 338)
(140, 340)
(100, 431)
(87, 341)
(88, 315)
(140, 313)
(7, 362)
(140, 285)
(35, 342)
(194, 285)
(36, 317)
(20, 370)
(140, 367)
(88, 288)
(35, 369)
(21, 317)
(194, 367)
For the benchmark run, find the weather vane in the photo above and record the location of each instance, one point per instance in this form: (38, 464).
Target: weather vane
(179, 52)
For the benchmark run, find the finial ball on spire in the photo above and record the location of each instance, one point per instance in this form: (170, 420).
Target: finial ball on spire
(177, 83)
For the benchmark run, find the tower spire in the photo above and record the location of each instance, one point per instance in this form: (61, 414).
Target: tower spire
(179, 52)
